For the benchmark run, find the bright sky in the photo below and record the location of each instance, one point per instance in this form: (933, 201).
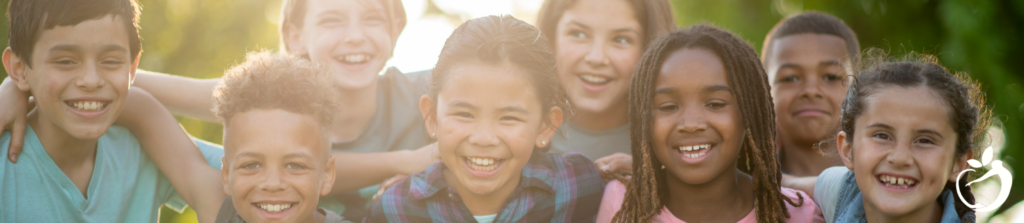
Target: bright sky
(424, 35)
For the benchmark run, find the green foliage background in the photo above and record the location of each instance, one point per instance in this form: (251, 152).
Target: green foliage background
(200, 39)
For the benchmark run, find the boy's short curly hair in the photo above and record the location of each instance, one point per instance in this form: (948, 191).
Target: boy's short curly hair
(276, 81)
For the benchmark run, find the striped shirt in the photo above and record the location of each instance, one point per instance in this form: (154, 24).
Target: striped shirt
(553, 188)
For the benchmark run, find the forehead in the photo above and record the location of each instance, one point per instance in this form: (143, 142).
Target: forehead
(692, 69)
(92, 34)
(315, 7)
(489, 85)
(273, 131)
(602, 14)
(810, 48)
(915, 108)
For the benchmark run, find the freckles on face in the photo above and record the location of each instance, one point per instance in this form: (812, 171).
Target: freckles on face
(351, 37)
(276, 162)
(902, 156)
(487, 124)
(80, 75)
(697, 121)
(807, 74)
(597, 46)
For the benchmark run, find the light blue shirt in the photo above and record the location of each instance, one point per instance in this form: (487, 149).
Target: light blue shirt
(126, 185)
(841, 201)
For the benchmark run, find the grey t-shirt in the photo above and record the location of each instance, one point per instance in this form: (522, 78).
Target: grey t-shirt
(228, 214)
(398, 124)
(592, 143)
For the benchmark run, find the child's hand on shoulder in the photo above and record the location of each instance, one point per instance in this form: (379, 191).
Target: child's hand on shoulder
(419, 159)
(16, 104)
(618, 166)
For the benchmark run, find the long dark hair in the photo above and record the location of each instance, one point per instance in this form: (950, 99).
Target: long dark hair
(654, 16)
(746, 76)
(968, 115)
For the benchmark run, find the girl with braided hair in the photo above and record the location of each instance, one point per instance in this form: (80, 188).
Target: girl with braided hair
(703, 130)
(909, 128)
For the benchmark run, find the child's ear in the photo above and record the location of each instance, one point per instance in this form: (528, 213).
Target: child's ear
(427, 110)
(555, 119)
(16, 69)
(329, 172)
(845, 149)
(293, 40)
(959, 165)
(224, 179)
(135, 67)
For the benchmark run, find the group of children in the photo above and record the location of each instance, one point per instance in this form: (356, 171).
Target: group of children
(604, 112)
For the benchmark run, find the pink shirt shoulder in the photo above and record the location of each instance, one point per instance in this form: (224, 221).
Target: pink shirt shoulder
(615, 191)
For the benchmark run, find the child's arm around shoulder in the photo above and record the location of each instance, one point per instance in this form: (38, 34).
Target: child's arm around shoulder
(174, 153)
(181, 95)
(826, 190)
(588, 187)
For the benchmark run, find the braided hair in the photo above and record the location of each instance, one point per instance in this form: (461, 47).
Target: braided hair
(746, 76)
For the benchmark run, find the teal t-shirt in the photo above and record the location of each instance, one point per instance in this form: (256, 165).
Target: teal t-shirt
(126, 185)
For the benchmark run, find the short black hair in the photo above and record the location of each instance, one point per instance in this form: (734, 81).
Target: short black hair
(27, 18)
(817, 23)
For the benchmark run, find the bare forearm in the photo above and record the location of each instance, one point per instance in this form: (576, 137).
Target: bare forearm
(359, 170)
(174, 153)
(181, 95)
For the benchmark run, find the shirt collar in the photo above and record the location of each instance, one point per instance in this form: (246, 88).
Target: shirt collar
(537, 173)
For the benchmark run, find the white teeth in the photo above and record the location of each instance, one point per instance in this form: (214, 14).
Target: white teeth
(355, 58)
(897, 181)
(594, 79)
(274, 207)
(485, 164)
(694, 148)
(88, 105)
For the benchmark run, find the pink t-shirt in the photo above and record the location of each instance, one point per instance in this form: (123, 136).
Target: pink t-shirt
(615, 191)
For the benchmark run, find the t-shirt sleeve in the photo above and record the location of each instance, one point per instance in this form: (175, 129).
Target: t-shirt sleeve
(611, 202)
(826, 189)
(212, 152)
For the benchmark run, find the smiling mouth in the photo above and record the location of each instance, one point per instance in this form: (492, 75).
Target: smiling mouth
(482, 163)
(896, 182)
(354, 59)
(274, 208)
(594, 79)
(88, 106)
(695, 151)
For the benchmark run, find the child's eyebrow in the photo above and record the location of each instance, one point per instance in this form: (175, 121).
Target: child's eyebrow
(298, 155)
(880, 125)
(113, 48)
(579, 24)
(252, 154)
(66, 48)
(665, 90)
(830, 63)
(461, 103)
(930, 131)
(514, 108)
(714, 88)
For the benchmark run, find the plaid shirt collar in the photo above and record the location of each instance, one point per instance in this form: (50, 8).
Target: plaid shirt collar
(537, 174)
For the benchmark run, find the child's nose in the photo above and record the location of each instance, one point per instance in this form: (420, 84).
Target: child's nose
(484, 136)
(272, 182)
(691, 120)
(900, 156)
(90, 79)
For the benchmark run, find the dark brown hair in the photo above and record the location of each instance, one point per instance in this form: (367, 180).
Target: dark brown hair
(28, 18)
(293, 12)
(277, 81)
(654, 16)
(817, 23)
(496, 40)
(968, 115)
(747, 78)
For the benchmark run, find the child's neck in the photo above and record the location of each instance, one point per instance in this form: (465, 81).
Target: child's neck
(360, 105)
(804, 160)
(75, 157)
(487, 204)
(615, 116)
(727, 198)
(930, 213)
